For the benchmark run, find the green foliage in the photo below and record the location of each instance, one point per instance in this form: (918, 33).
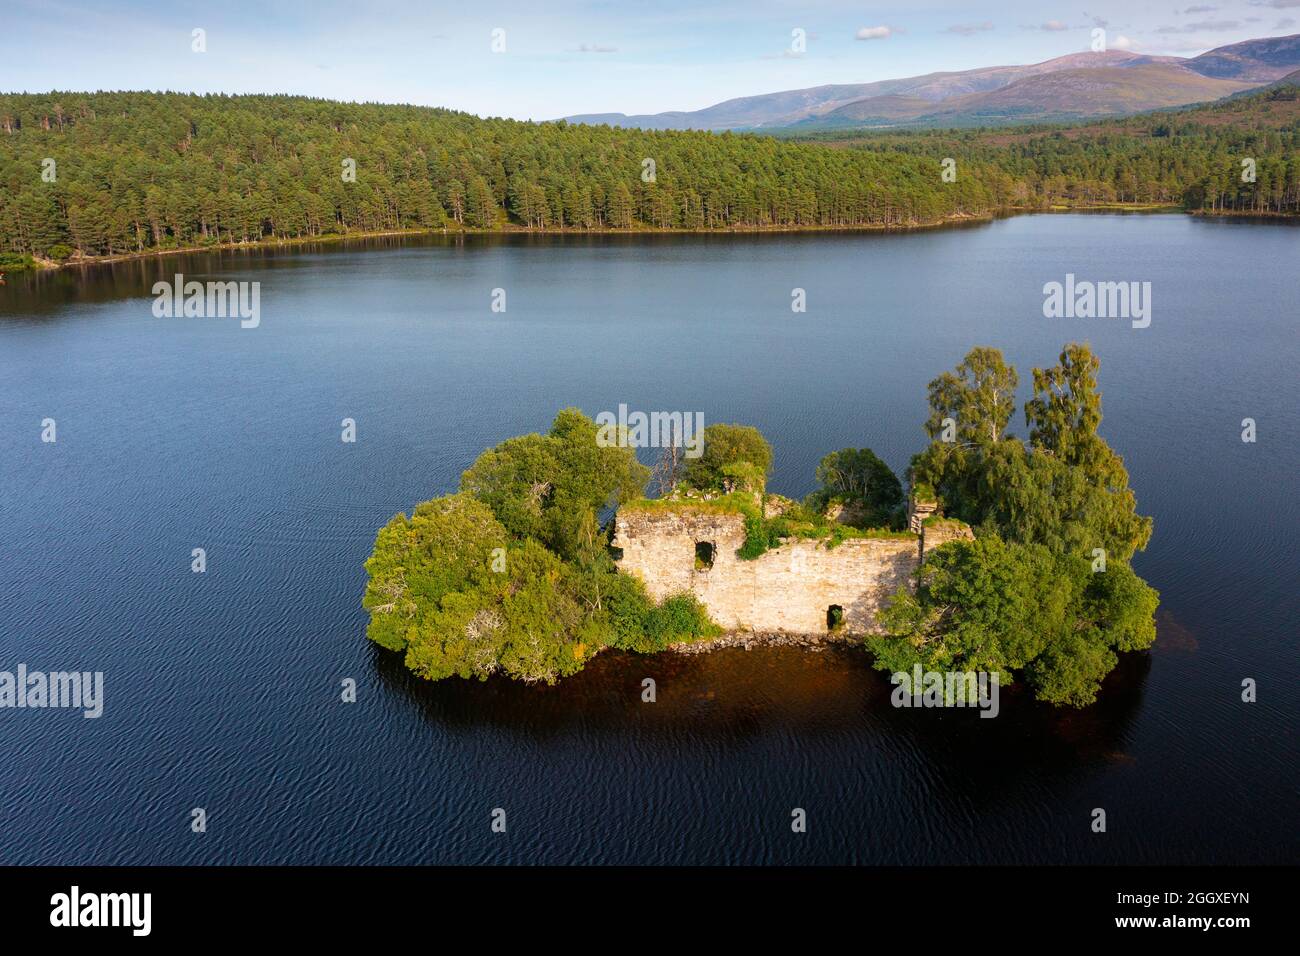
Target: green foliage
(516, 480)
(742, 476)
(15, 262)
(734, 458)
(444, 547)
(763, 533)
(450, 589)
(1068, 490)
(459, 597)
(1004, 608)
(1070, 670)
(1064, 414)
(981, 605)
(1187, 157)
(1035, 497)
(680, 617)
(146, 171)
(857, 478)
(1122, 606)
(512, 574)
(979, 396)
(550, 487)
(1023, 597)
(525, 622)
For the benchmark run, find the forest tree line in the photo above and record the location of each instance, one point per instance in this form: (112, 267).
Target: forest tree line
(114, 173)
(139, 171)
(1195, 158)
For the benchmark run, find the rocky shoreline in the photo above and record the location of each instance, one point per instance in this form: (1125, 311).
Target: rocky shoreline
(751, 639)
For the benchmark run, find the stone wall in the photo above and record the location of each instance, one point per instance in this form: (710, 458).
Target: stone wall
(942, 530)
(788, 589)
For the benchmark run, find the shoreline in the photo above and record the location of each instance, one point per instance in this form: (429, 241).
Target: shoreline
(751, 639)
(508, 230)
(947, 222)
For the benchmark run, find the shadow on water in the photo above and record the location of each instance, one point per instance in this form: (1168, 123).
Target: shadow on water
(731, 697)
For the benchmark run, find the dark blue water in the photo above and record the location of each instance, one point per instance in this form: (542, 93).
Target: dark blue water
(222, 689)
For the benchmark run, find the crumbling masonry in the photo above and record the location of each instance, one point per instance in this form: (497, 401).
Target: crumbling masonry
(802, 587)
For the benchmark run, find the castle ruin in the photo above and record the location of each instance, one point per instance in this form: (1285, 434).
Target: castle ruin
(803, 587)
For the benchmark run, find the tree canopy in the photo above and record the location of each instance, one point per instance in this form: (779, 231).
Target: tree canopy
(1066, 489)
(734, 458)
(136, 172)
(1002, 608)
(144, 171)
(1045, 590)
(857, 478)
(552, 487)
(513, 575)
(1189, 157)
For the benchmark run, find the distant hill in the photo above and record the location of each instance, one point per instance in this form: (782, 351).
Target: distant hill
(1079, 85)
(1074, 94)
(1260, 61)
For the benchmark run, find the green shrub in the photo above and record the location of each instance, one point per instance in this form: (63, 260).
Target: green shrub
(15, 262)
(636, 624)
(679, 618)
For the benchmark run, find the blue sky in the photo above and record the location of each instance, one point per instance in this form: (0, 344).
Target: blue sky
(564, 57)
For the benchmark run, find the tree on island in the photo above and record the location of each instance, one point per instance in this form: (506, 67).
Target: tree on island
(512, 575)
(858, 479)
(1046, 588)
(978, 398)
(734, 458)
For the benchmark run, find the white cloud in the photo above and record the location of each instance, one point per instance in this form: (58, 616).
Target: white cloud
(873, 33)
(1203, 26)
(969, 29)
(596, 48)
(1121, 42)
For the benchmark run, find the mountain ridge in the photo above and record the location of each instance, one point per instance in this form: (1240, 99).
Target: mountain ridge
(1086, 84)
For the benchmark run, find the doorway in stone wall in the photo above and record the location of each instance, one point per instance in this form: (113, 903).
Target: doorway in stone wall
(703, 555)
(834, 617)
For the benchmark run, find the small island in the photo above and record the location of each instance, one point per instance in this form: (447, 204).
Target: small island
(1006, 556)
